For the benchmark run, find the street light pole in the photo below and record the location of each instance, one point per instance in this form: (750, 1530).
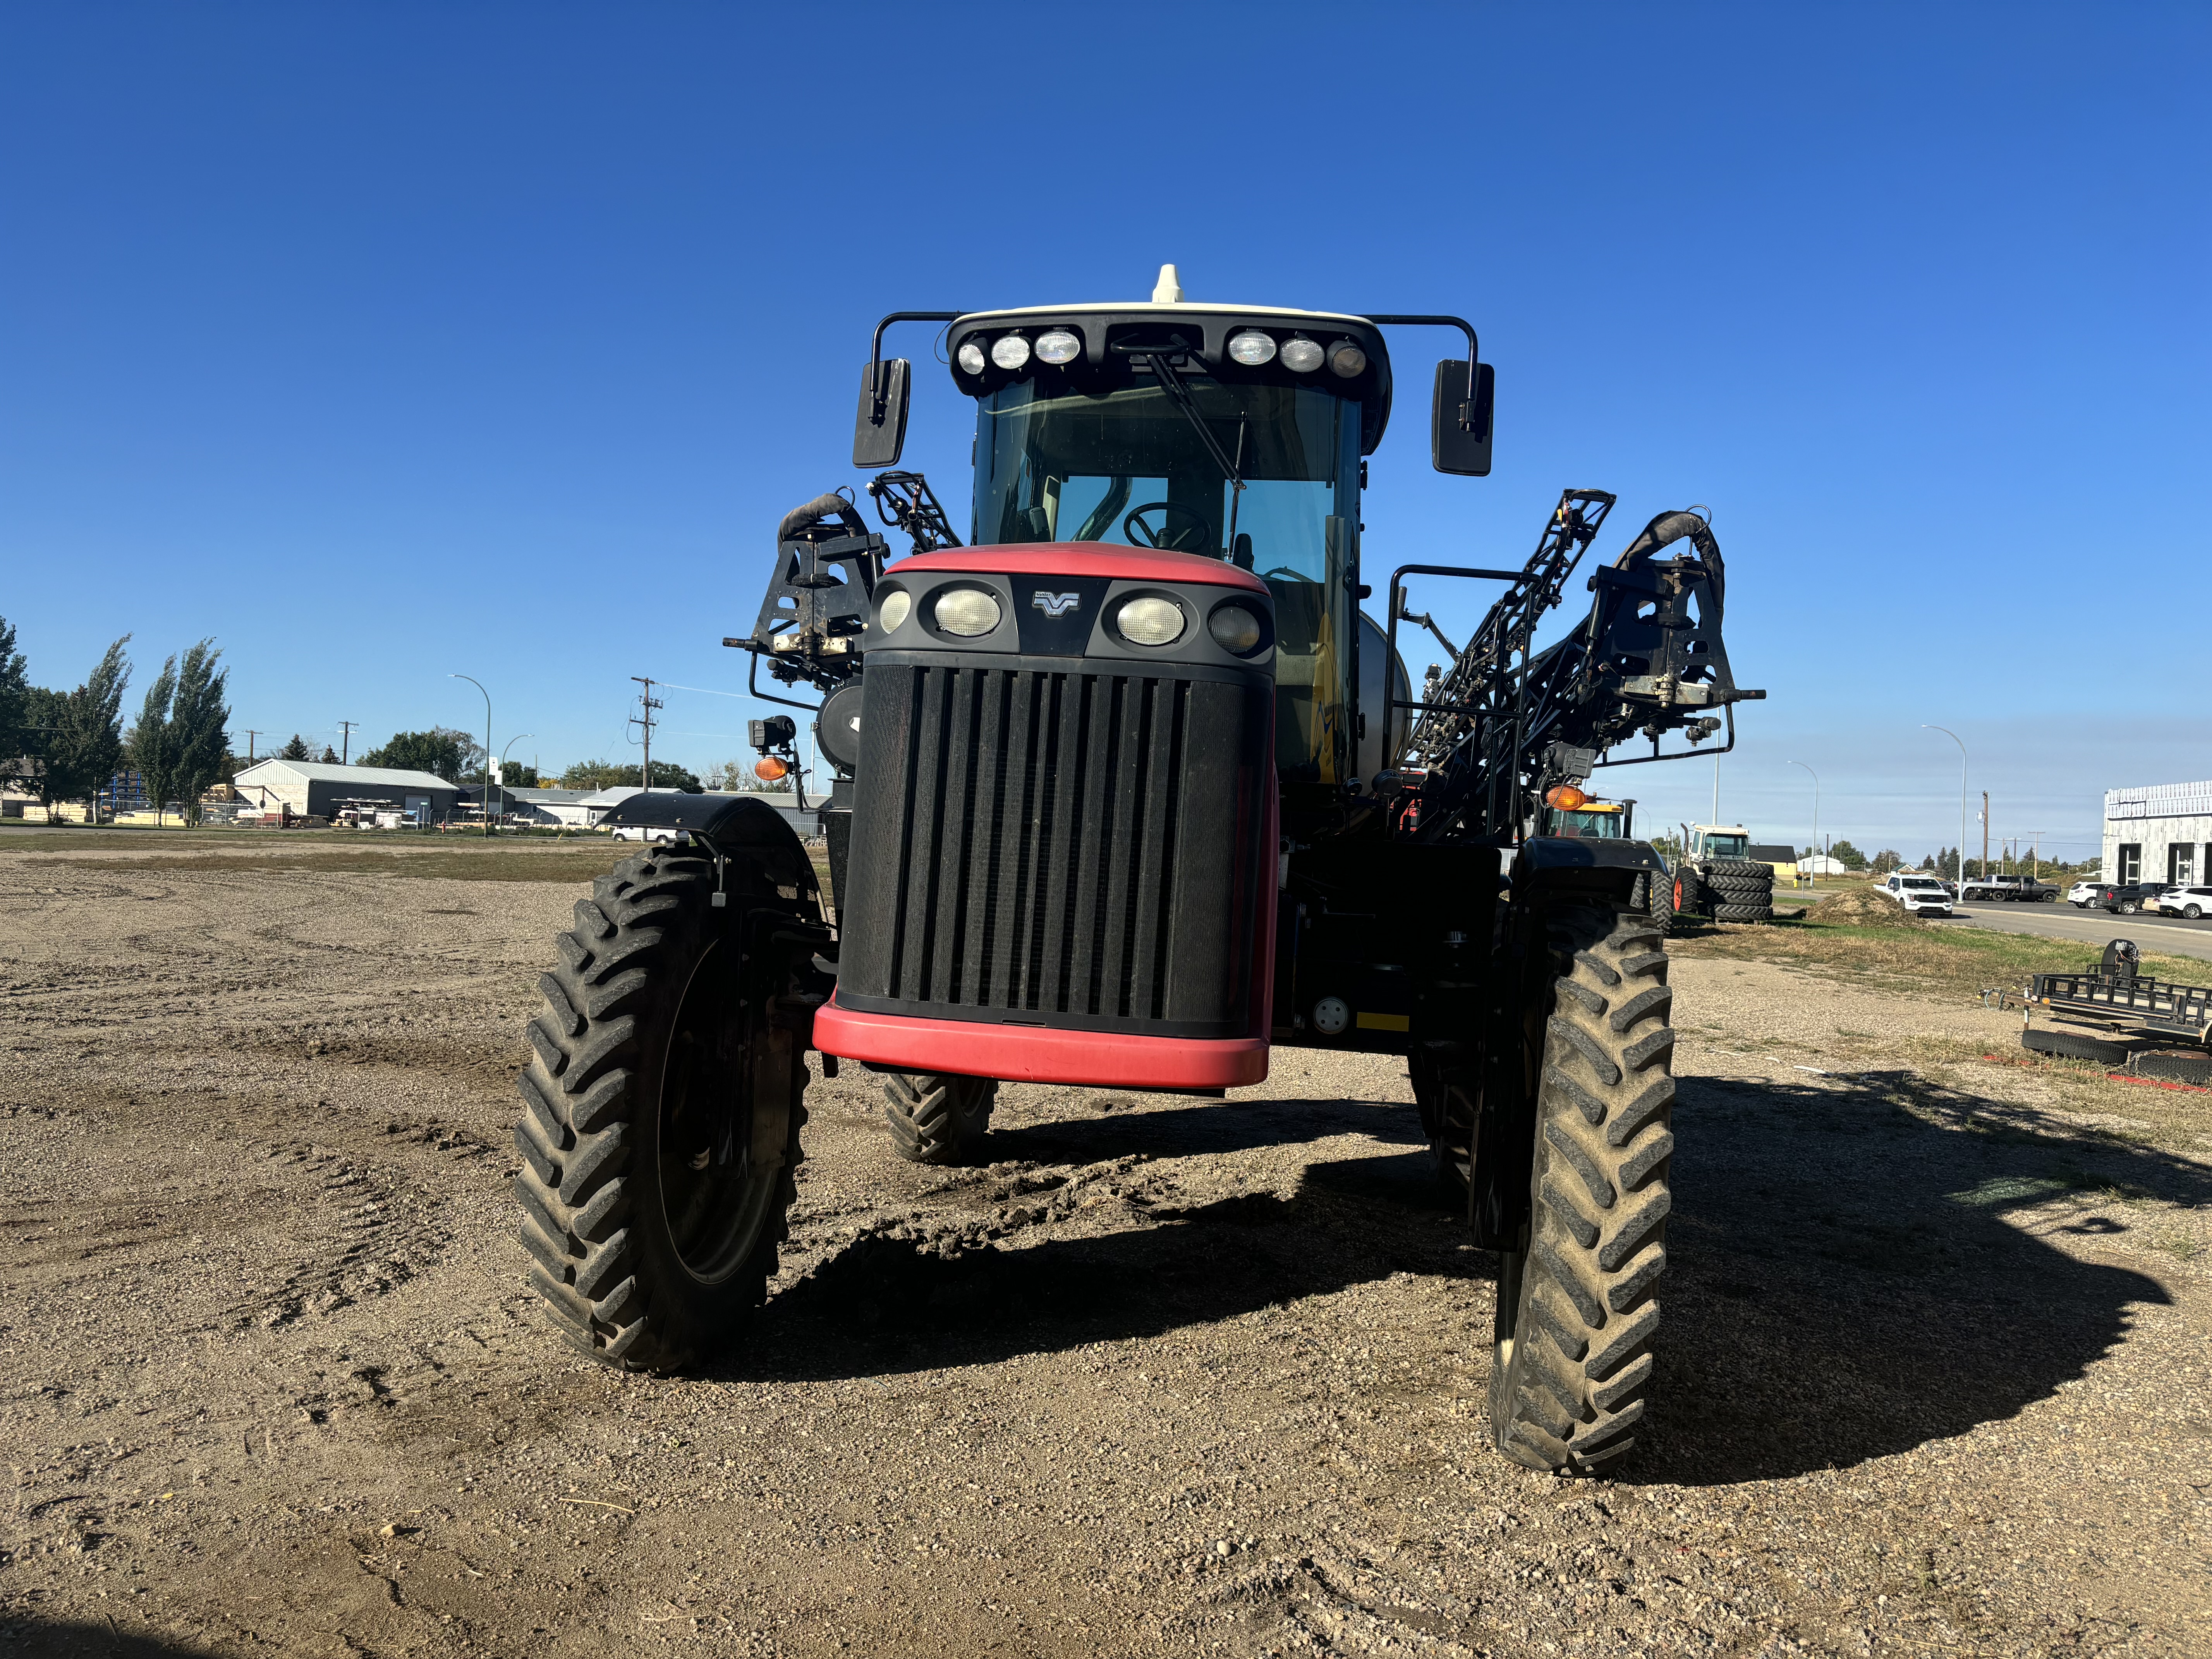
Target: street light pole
(510, 741)
(1956, 738)
(1816, 818)
(479, 685)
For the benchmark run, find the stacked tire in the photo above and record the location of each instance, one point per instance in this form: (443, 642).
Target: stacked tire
(1742, 890)
(1689, 898)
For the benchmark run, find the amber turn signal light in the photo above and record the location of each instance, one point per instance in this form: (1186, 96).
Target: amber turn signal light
(768, 768)
(1564, 796)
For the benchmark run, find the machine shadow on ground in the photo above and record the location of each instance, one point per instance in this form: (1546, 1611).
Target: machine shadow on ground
(885, 1305)
(39, 1638)
(1847, 1278)
(1215, 1126)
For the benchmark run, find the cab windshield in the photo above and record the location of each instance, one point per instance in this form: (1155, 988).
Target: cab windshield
(1728, 846)
(1128, 467)
(1588, 824)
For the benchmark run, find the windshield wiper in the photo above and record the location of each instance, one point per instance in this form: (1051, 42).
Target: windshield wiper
(1179, 394)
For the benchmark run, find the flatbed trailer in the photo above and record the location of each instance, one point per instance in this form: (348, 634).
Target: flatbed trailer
(2113, 993)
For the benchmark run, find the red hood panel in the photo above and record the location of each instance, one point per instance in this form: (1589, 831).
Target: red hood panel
(1141, 564)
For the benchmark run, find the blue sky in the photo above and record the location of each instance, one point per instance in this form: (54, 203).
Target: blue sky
(381, 342)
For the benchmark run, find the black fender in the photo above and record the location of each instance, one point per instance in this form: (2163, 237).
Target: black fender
(1545, 865)
(732, 825)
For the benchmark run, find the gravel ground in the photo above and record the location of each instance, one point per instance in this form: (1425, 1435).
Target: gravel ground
(1169, 1376)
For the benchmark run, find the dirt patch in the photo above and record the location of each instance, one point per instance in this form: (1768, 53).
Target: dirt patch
(1167, 1375)
(1862, 907)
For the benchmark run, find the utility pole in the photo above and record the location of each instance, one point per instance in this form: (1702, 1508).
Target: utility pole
(1816, 814)
(1961, 742)
(249, 735)
(345, 742)
(1985, 835)
(648, 702)
(1717, 785)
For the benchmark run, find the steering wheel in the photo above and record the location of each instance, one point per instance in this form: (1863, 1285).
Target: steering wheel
(1285, 571)
(1135, 528)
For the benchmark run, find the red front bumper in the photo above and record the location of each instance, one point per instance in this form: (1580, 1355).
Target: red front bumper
(1030, 1053)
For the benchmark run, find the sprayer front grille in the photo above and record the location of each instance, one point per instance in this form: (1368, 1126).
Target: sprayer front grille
(1056, 847)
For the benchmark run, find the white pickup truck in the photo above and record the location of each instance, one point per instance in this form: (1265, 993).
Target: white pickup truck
(1920, 895)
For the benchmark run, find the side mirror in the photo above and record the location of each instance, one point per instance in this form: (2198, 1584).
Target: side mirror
(1459, 426)
(879, 429)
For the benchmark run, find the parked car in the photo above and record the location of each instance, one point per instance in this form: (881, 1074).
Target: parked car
(2083, 894)
(1921, 895)
(2189, 901)
(646, 832)
(2151, 892)
(2121, 898)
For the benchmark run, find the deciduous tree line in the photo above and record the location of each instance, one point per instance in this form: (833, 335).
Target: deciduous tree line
(66, 745)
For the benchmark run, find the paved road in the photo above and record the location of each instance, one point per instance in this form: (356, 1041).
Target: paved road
(2058, 919)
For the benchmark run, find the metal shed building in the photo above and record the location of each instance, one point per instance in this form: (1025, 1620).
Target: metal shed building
(310, 789)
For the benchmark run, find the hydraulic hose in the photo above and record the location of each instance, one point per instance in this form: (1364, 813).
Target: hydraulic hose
(822, 506)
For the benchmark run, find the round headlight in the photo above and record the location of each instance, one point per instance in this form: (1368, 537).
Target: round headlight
(1251, 348)
(1057, 345)
(1234, 627)
(1150, 622)
(966, 611)
(971, 357)
(1010, 351)
(1301, 356)
(1347, 360)
(897, 606)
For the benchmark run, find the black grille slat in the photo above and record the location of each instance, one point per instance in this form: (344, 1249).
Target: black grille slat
(1056, 894)
(1072, 848)
(1091, 837)
(1010, 873)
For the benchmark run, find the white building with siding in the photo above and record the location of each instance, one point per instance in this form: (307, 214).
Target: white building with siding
(2162, 832)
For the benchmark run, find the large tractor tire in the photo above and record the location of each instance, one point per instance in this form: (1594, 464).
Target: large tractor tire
(2072, 1045)
(1743, 913)
(1661, 902)
(1721, 869)
(1576, 1310)
(937, 1118)
(660, 1137)
(2168, 1066)
(1689, 893)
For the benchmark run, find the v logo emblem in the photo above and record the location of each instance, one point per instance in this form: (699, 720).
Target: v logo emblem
(1055, 604)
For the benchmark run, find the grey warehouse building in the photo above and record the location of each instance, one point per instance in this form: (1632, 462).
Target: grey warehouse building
(312, 790)
(2160, 833)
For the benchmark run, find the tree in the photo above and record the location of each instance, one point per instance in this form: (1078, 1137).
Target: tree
(1886, 860)
(14, 693)
(606, 775)
(200, 717)
(330, 756)
(1848, 855)
(153, 741)
(1668, 846)
(442, 749)
(515, 775)
(296, 749)
(84, 735)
